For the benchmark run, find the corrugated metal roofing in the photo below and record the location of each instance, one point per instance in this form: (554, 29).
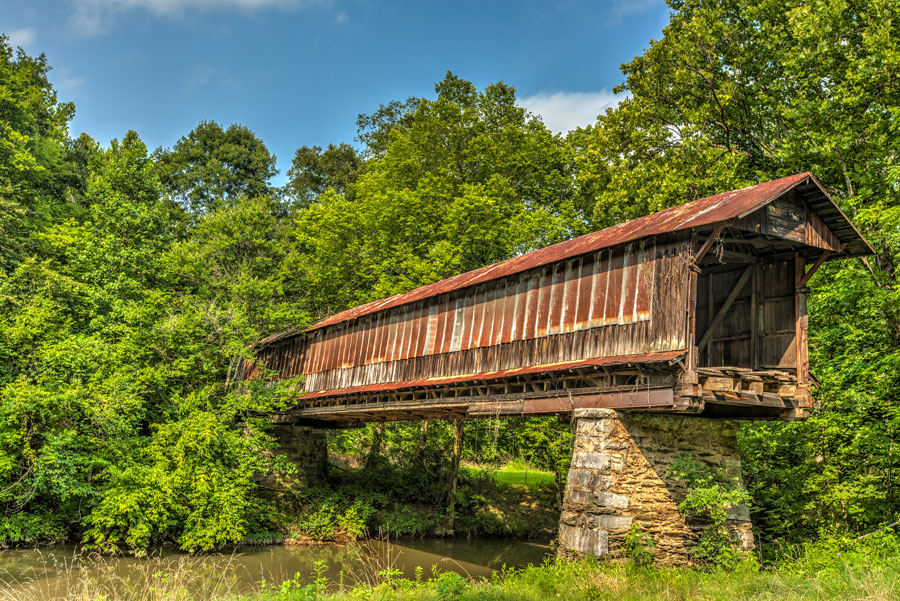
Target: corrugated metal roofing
(698, 213)
(495, 375)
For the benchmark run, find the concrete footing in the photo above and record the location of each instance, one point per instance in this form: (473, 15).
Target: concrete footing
(618, 477)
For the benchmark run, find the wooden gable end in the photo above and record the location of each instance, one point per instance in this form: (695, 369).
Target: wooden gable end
(790, 218)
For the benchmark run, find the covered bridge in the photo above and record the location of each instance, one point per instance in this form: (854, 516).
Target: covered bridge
(637, 333)
(700, 308)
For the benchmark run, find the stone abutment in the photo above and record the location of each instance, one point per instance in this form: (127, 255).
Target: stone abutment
(618, 477)
(307, 449)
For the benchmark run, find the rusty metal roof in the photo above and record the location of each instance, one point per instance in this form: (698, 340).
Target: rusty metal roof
(698, 213)
(278, 336)
(661, 357)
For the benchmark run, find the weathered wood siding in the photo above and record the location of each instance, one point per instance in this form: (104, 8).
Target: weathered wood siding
(791, 218)
(624, 300)
(627, 299)
(766, 305)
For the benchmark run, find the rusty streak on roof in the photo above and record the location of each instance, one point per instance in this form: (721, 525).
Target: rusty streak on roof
(698, 213)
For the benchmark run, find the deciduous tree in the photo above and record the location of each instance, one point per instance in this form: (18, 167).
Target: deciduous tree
(212, 167)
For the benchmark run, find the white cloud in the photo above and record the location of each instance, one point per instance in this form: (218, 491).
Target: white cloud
(564, 111)
(206, 74)
(70, 84)
(624, 8)
(21, 37)
(342, 18)
(93, 17)
(201, 75)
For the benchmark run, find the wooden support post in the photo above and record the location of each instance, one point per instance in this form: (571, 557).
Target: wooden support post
(423, 434)
(727, 305)
(458, 432)
(754, 316)
(802, 319)
(710, 305)
(693, 275)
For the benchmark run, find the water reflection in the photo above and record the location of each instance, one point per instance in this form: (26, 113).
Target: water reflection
(58, 572)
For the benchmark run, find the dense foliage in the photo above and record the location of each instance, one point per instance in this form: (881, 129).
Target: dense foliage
(133, 282)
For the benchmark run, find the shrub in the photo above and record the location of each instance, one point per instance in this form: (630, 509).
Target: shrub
(449, 585)
(639, 545)
(711, 492)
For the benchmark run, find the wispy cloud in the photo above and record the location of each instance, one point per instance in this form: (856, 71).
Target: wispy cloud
(207, 74)
(564, 111)
(94, 17)
(342, 18)
(21, 37)
(624, 8)
(70, 83)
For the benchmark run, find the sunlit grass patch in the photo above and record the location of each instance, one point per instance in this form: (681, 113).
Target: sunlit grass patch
(518, 473)
(530, 478)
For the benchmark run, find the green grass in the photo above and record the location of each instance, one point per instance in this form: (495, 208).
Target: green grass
(849, 580)
(517, 473)
(838, 571)
(530, 478)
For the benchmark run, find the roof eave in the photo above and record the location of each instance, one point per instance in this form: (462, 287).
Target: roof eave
(869, 247)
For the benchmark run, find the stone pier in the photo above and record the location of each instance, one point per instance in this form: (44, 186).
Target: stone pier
(306, 448)
(618, 477)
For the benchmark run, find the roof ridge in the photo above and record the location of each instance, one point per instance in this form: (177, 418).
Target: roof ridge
(696, 213)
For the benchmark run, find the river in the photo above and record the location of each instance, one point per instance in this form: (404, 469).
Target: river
(54, 573)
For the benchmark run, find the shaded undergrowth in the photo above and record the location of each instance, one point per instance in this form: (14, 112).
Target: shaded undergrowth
(386, 498)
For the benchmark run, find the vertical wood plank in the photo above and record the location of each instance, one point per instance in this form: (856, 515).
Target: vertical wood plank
(585, 283)
(802, 319)
(754, 317)
(613, 288)
(691, 318)
(624, 312)
(710, 313)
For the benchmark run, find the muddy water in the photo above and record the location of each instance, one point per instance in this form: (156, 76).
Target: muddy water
(61, 572)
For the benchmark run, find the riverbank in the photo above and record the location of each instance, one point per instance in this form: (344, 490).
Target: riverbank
(857, 578)
(839, 570)
(69, 572)
(822, 572)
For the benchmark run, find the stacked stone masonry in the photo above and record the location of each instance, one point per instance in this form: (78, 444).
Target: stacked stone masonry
(306, 448)
(619, 476)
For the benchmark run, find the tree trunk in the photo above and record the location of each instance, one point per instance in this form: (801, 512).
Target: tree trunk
(458, 432)
(420, 452)
(375, 449)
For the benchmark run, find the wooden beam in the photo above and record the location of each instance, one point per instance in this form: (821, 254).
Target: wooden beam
(710, 304)
(722, 383)
(813, 269)
(755, 294)
(745, 399)
(635, 398)
(708, 244)
(726, 306)
(739, 256)
(802, 319)
(693, 273)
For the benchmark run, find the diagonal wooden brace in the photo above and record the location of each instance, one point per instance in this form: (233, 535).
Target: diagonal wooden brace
(707, 244)
(745, 277)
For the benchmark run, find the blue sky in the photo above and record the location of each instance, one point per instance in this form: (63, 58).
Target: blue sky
(299, 71)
